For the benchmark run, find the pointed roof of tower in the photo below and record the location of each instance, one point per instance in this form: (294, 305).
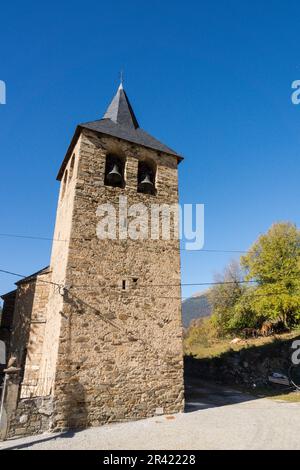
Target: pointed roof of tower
(120, 110)
(119, 121)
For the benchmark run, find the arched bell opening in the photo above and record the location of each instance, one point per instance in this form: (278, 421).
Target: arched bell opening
(64, 183)
(72, 163)
(146, 178)
(114, 171)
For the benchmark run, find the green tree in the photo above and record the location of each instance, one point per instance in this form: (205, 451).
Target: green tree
(243, 313)
(224, 296)
(274, 263)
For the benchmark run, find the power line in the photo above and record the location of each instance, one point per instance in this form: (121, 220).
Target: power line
(31, 237)
(143, 286)
(36, 237)
(139, 286)
(147, 296)
(135, 294)
(24, 277)
(13, 274)
(91, 288)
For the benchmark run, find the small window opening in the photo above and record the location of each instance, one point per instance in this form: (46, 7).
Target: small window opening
(146, 179)
(123, 284)
(114, 171)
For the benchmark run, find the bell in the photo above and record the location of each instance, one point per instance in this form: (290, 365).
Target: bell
(146, 185)
(114, 176)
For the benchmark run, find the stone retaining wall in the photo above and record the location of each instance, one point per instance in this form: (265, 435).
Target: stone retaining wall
(250, 367)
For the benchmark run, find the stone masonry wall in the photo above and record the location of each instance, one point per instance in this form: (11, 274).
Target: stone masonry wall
(6, 326)
(36, 335)
(120, 350)
(26, 346)
(59, 257)
(33, 416)
(21, 320)
(29, 321)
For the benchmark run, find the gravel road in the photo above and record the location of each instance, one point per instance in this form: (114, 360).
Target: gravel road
(216, 418)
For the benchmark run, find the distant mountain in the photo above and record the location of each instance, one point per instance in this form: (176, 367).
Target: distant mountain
(195, 307)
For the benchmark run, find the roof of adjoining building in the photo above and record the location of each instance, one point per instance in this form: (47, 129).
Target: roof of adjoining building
(9, 294)
(33, 276)
(29, 278)
(119, 121)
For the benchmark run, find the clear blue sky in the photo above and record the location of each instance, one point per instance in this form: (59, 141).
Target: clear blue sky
(210, 79)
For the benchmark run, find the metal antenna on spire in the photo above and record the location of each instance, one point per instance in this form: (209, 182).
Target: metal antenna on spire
(121, 78)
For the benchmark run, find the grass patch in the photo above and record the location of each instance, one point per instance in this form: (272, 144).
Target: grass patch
(291, 396)
(203, 346)
(249, 370)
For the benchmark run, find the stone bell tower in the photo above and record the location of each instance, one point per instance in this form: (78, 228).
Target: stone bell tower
(113, 339)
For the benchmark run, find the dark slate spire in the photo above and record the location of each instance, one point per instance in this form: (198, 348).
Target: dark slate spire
(119, 121)
(120, 110)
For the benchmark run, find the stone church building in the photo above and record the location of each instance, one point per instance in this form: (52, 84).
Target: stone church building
(96, 337)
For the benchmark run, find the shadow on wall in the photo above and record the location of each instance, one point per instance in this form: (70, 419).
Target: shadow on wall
(71, 410)
(19, 346)
(73, 407)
